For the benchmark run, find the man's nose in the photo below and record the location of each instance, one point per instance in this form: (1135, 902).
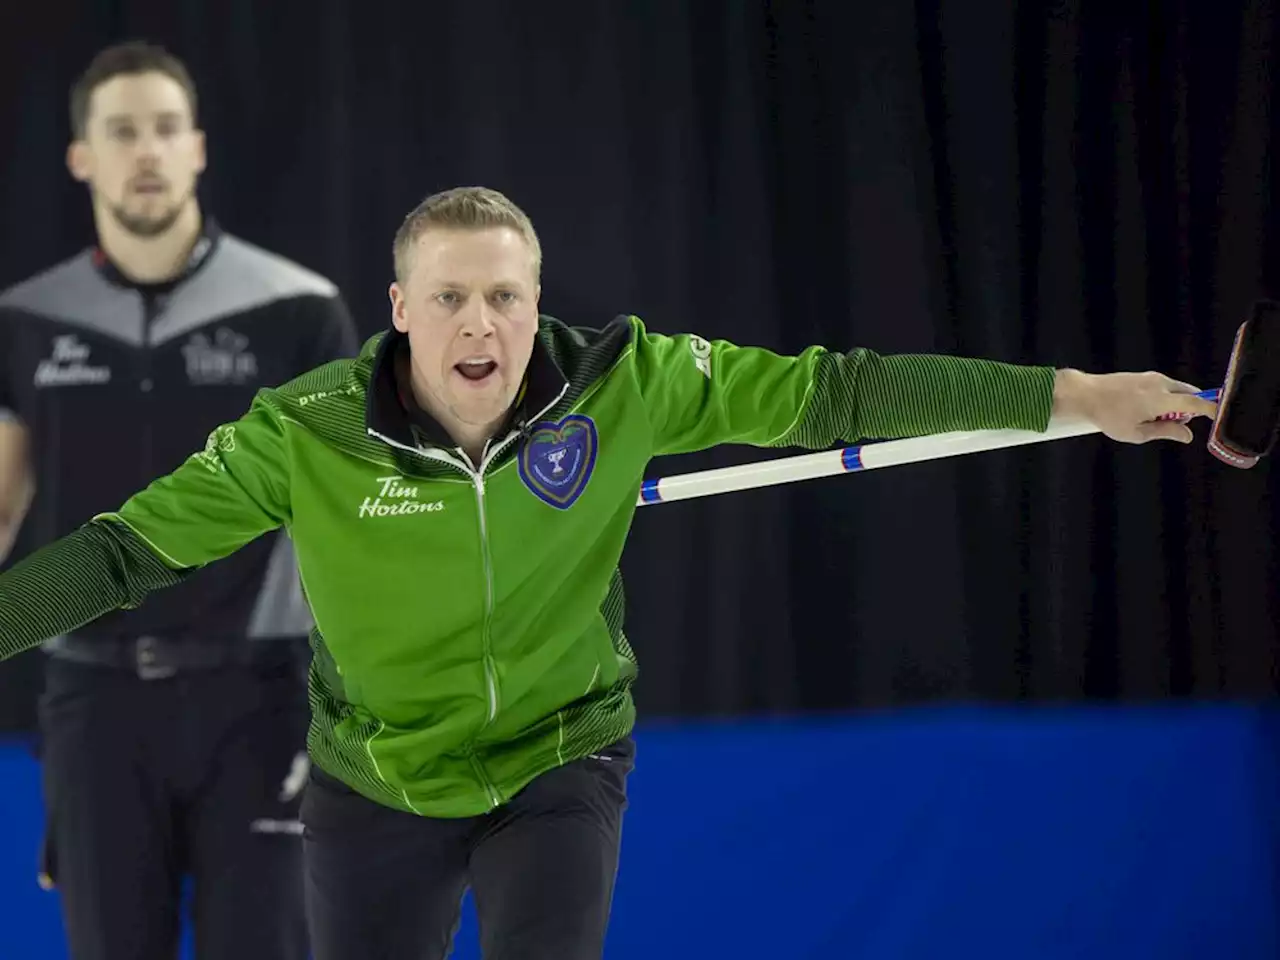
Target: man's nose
(147, 150)
(478, 320)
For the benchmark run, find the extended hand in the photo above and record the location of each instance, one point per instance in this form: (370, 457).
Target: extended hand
(1128, 406)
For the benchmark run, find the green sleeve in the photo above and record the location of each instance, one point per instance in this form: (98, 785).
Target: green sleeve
(231, 492)
(700, 394)
(75, 580)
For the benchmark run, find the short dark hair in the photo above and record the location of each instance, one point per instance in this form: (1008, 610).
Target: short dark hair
(135, 56)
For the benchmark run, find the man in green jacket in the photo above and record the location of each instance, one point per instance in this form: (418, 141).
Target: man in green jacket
(459, 496)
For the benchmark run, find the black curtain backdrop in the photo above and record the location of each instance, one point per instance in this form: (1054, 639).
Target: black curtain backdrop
(1075, 183)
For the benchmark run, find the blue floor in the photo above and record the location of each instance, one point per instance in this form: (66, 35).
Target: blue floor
(992, 833)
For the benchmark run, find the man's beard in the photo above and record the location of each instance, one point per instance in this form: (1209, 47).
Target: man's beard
(147, 227)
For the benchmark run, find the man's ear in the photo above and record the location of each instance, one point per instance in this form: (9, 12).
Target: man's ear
(202, 157)
(80, 160)
(398, 318)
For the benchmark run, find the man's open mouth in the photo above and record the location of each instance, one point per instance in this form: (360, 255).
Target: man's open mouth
(476, 369)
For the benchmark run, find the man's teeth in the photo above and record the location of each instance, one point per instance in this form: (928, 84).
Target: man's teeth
(477, 369)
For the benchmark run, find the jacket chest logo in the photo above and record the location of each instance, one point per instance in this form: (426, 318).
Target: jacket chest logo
(395, 498)
(557, 459)
(223, 358)
(69, 365)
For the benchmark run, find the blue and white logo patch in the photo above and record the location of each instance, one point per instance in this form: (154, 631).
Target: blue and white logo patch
(557, 459)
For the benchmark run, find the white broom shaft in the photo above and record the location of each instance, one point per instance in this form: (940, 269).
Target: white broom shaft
(828, 463)
(869, 456)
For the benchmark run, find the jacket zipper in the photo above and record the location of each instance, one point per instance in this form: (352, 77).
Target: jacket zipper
(490, 668)
(462, 463)
(151, 310)
(477, 480)
(486, 651)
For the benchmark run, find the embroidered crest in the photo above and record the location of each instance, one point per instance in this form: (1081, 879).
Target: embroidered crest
(557, 459)
(222, 440)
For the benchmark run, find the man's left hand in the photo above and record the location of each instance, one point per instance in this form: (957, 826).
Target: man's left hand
(1127, 407)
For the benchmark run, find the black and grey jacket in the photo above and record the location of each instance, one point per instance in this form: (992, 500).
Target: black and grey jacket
(118, 382)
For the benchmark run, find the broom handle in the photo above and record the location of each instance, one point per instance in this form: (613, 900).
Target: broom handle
(866, 456)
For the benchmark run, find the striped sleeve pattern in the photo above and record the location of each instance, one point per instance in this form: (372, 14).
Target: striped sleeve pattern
(98, 568)
(861, 395)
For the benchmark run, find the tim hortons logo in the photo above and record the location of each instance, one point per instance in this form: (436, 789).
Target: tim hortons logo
(396, 499)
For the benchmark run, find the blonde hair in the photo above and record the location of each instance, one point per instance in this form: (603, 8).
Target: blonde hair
(462, 208)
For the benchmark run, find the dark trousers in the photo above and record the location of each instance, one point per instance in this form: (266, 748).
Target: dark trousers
(150, 781)
(387, 885)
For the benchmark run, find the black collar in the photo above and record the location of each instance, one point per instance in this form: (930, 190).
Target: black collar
(393, 414)
(205, 245)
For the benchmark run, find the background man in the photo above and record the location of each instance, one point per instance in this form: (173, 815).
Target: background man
(172, 734)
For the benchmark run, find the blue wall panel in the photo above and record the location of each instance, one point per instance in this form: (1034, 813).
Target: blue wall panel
(999, 833)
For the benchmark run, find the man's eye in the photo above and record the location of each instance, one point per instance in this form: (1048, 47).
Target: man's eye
(504, 296)
(448, 298)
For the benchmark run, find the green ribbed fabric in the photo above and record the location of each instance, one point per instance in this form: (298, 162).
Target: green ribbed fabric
(96, 569)
(861, 395)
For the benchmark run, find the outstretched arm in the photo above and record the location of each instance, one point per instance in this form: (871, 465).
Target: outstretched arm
(700, 394)
(221, 498)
